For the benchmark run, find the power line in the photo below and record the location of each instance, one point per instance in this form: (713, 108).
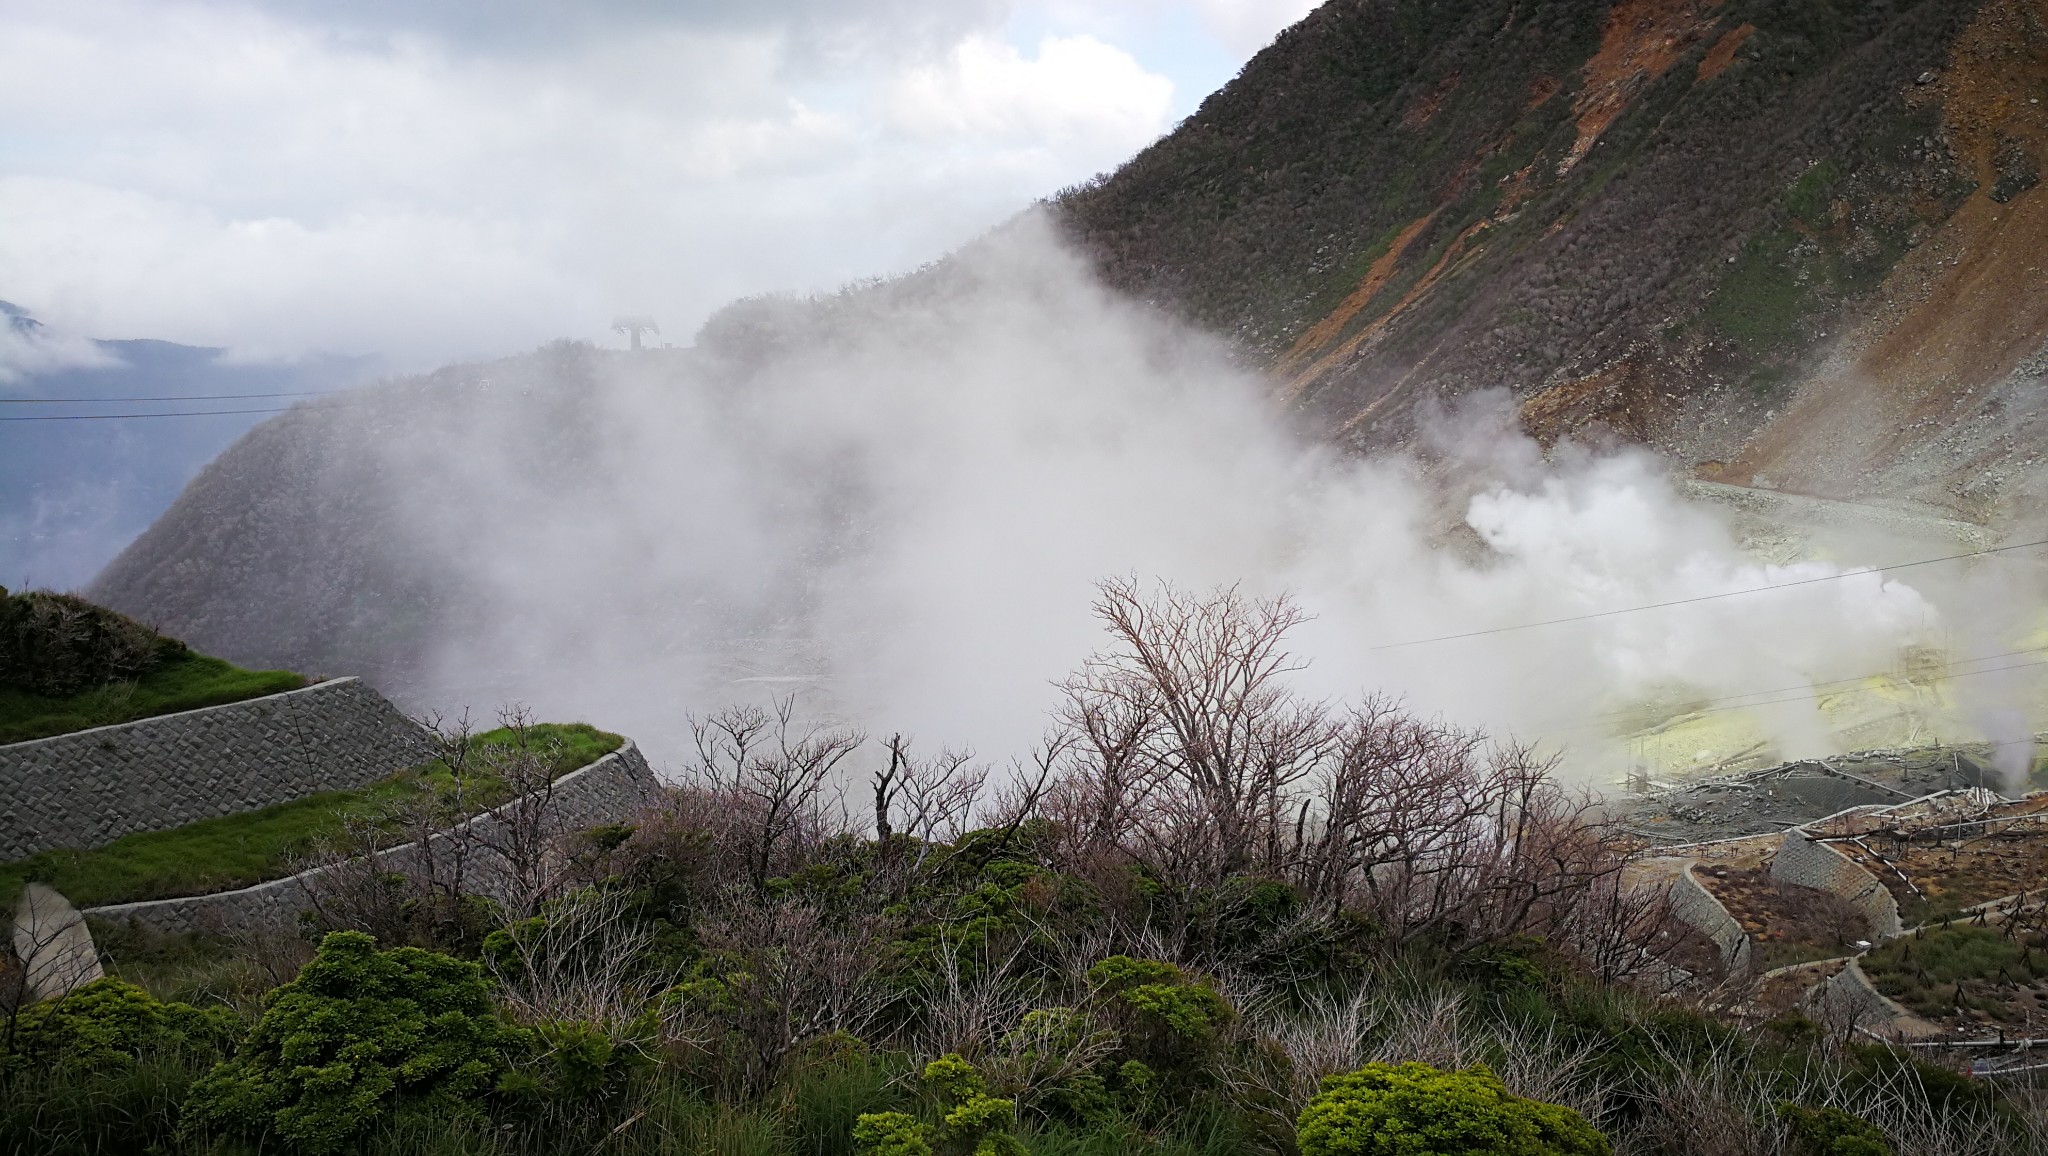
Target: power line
(301, 407)
(125, 416)
(180, 397)
(1707, 597)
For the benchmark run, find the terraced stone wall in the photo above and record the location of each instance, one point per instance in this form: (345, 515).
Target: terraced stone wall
(90, 787)
(1805, 862)
(1695, 906)
(609, 790)
(1850, 1000)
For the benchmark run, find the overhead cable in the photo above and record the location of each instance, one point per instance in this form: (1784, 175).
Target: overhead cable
(179, 397)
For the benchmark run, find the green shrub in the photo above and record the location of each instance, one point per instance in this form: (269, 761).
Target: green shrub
(359, 1034)
(953, 1079)
(1120, 972)
(1502, 967)
(1166, 1019)
(891, 1134)
(1190, 1013)
(1416, 1110)
(571, 1063)
(971, 1123)
(1831, 1132)
(104, 1026)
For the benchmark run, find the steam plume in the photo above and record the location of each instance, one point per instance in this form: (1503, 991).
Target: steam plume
(898, 500)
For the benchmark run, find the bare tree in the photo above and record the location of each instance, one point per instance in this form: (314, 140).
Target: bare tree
(444, 850)
(930, 802)
(522, 833)
(1186, 753)
(772, 775)
(483, 824)
(1186, 723)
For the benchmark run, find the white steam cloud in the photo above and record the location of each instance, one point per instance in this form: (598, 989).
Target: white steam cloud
(898, 503)
(27, 348)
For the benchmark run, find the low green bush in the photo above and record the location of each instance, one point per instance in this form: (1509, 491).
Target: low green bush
(1417, 1110)
(1831, 1132)
(971, 1122)
(1167, 1020)
(59, 644)
(107, 1025)
(570, 1063)
(358, 1034)
(891, 1134)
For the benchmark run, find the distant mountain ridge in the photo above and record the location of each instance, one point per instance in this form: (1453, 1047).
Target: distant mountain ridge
(73, 493)
(1760, 235)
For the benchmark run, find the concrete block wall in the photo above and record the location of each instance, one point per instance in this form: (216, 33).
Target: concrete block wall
(1696, 907)
(1805, 862)
(90, 787)
(609, 790)
(1850, 1000)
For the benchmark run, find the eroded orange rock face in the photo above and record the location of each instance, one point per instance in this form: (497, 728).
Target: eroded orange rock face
(1722, 54)
(1643, 39)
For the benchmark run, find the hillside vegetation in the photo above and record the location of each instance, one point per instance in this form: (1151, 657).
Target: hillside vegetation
(1660, 218)
(1207, 918)
(67, 664)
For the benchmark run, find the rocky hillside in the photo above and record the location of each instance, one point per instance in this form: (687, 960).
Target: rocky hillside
(1792, 243)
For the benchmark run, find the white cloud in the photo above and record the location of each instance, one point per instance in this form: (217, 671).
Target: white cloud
(1076, 89)
(253, 177)
(28, 347)
(1245, 26)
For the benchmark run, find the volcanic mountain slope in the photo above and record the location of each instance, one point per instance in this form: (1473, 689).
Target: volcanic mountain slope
(1787, 242)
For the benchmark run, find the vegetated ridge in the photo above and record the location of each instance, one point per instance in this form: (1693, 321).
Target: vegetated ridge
(1789, 243)
(66, 665)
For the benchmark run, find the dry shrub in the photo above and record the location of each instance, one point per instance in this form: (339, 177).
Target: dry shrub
(777, 975)
(1184, 753)
(60, 644)
(1329, 1035)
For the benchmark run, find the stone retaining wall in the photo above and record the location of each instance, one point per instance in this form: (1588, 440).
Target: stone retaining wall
(1804, 862)
(1696, 907)
(1848, 1000)
(607, 791)
(90, 787)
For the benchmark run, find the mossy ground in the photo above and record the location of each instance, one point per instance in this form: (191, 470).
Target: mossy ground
(187, 682)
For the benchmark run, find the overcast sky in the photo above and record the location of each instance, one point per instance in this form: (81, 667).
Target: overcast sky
(434, 179)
